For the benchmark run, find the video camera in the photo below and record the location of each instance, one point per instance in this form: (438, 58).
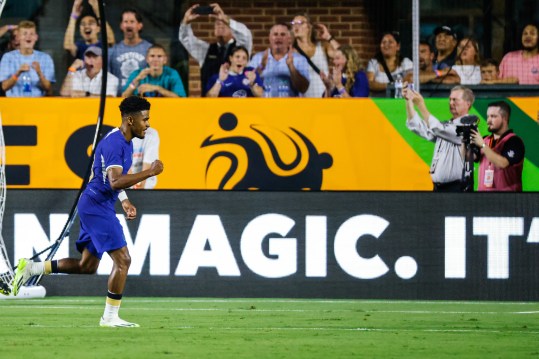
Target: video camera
(467, 124)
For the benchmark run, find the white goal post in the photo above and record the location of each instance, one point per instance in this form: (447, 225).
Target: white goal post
(6, 269)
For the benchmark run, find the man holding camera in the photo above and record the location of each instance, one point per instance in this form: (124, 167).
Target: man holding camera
(502, 153)
(447, 165)
(228, 33)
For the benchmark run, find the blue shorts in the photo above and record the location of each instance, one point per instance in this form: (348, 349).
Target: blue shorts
(100, 230)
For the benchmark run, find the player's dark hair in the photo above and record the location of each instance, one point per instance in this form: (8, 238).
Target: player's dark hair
(133, 104)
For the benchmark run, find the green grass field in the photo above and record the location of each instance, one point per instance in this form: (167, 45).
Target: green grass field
(67, 327)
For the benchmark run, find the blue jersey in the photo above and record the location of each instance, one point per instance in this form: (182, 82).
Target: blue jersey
(112, 151)
(235, 85)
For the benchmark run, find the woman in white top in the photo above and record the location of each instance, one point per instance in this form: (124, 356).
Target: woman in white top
(318, 52)
(467, 65)
(389, 54)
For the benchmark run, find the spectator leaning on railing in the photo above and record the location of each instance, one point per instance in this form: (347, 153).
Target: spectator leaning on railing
(388, 64)
(468, 60)
(427, 73)
(522, 66)
(490, 73)
(155, 80)
(84, 78)
(27, 72)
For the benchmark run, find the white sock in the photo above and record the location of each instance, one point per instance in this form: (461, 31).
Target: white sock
(111, 311)
(36, 268)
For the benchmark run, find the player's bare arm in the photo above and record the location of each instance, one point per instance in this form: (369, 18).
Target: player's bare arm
(122, 181)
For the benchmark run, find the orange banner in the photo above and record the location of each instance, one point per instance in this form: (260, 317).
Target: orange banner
(294, 144)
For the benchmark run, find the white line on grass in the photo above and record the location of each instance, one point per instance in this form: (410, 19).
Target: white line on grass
(277, 300)
(327, 329)
(133, 307)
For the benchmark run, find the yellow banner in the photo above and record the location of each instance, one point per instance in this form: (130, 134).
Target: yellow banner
(327, 144)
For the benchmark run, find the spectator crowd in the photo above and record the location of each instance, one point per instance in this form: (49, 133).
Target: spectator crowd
(303, 59)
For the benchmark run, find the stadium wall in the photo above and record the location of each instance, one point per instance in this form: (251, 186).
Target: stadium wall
(368, 245)
(231, 144)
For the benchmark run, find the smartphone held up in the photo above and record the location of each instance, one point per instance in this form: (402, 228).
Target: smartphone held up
(203, 10)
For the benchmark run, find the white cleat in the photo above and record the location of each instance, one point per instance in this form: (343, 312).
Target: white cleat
(116, 323)
(22, 275)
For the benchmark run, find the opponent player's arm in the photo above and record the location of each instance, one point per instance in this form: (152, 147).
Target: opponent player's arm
(118, 180)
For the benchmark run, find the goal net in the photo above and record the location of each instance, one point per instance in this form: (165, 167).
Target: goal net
(6, 270)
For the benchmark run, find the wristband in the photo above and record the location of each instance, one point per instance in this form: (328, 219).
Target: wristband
(15, 77)
(342, 91)
(122, 196)
(438, 73)
(71, 69)
(219, 82)
(331, 38)
(483, 145)
(132, 86)
(74, 16)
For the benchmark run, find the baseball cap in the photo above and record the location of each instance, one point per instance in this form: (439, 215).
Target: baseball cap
(445, 29)
(93, 50)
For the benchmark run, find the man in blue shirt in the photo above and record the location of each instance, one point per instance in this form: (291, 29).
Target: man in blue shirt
(100, 230)
(285, 72)
(129, 54)
(156, 80)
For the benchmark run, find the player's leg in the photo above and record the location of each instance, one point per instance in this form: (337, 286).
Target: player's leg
(27, 268)
(87, 264)
(116, 284)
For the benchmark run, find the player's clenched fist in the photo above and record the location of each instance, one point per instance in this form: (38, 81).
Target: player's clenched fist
(157, 167)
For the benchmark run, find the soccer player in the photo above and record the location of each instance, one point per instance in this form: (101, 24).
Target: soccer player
(100, 230)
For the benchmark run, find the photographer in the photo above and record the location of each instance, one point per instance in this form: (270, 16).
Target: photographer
(448, 160)
(502, 153)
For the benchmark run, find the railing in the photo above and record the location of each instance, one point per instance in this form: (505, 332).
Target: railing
(480, 91)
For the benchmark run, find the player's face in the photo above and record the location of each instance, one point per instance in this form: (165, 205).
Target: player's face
(495, 120)
(140, 123)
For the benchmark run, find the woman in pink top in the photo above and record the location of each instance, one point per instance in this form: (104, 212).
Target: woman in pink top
(522, 66)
